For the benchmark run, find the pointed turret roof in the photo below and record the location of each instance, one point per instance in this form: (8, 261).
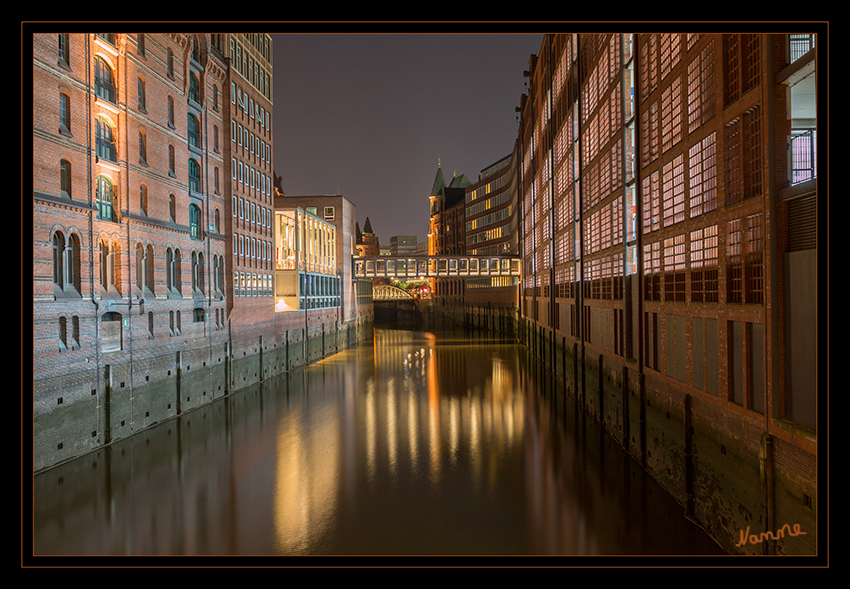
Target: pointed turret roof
(439, 182)
(367, 227)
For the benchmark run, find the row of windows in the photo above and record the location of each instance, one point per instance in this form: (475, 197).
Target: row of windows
(67, 267)
(250, 69)
(251, 143)
(69, 332)
(105, 201)
(251, 179)
(250, 108)
(252, 284)
(252, 248)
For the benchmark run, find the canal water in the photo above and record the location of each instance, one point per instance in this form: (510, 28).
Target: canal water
(413, 444)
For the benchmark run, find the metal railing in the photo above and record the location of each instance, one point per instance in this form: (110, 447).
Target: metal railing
(803, 155)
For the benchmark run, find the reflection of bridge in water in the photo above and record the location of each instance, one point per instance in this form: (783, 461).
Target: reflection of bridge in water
(435, 266)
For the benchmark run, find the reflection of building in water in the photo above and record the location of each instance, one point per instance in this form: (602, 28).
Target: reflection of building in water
(394, 417)
(438, 400)
(309, 467)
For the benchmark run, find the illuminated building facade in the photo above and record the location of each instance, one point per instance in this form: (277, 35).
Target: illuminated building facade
(668, 196)
(306, 273)
(354, 304)
(247, 182)
(129, 245)
(447, 232)
(153, 235)
(491, 229)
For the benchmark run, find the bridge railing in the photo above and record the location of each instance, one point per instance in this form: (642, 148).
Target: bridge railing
(435, 266)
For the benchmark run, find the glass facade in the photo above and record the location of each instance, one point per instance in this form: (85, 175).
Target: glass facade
(306, 273)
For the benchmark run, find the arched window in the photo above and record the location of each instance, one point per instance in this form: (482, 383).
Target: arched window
(105, 140)
(65, 178)
(143, 199)
(194, 129)
(111, 336)
(140, 87)
(66, 264)
(194, 176)
(104, 82)
(105, 199)
(64, 113)
(198, 272)
(144, 268)
(194, 222)
(218, 274)
(143, 148)
(194, 89)
(178, 275)
(196, 50)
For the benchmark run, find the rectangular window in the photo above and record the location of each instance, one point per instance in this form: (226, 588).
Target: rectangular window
(704, 265)
(673, 191)
(734, 262)
(674, 268)
(671, 107)
(754, 264)
(652, 271)
(651, 203)
(702, 163)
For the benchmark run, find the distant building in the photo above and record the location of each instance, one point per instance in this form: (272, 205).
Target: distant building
(366, 241)
(491, 229)
(403, 245)
(446, 234)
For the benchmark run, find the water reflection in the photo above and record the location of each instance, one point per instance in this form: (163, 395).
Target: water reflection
(420, 444)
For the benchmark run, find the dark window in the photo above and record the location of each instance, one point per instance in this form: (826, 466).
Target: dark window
(105, 140)
(103, 81)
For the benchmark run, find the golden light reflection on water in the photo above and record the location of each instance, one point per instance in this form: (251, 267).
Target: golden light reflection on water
(307, 482)
(418, 394)
(418, 444)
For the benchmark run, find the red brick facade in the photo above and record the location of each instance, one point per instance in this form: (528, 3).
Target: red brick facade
(654, 203)
(152, 234)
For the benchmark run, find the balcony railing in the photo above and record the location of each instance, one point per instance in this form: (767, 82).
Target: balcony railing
(799, 45)
(803, 155)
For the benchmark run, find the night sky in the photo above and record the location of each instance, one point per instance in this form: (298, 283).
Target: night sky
(368, 116)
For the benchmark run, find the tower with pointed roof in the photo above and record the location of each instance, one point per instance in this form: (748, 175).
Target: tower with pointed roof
(367, 242)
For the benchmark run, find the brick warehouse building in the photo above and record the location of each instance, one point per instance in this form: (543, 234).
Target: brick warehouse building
(669, 201)
(152, 215)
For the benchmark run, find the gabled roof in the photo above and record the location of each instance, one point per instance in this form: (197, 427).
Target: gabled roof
(460, 182)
